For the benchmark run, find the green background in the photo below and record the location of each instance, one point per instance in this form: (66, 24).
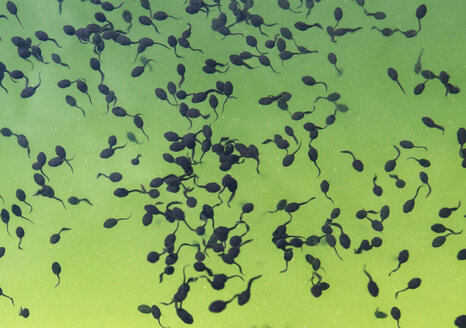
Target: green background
(105, 275)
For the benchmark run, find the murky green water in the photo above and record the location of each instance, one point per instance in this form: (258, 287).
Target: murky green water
(105, 275)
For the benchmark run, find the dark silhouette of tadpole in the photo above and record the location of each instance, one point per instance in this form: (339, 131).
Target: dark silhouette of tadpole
(12, 9)
(110, 223)
(24, 312)
(73, 200)
(393, 75)
(43, 36)
(244, 296)
(5, 216)
(313, 155)
(402, 258)
(17, 212)
(445, 212)
(396, 314)
(421, 11)
(332, 58)
(21, 196)
(219, 305)
(29, 91)
(70, 100)
(55, 238)
(406, 144)
(56, 269)
(391, 164)
(371, 286)
(431, 124)
(412, 284)
(409, 204)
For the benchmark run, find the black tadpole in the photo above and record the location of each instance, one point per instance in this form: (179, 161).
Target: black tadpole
(12, 9)
(244, 297)
(110, 223)
(406, 144)
(409, 204)
(427, 121)
(421, 11)
(75, 200)
(393, 75)
(70, 100)
(56, 269)
(18, 212)
(391, 164)
(371, 286)
(403, 257)
(29, 91)
(21, 196)
(55, 238)
(332, 58)
(24, 312)
(396, 314)
(20, 234)
(324, 187)
(310, 81)
(313, 155)
(377, 190)
(357, 164)
(43, 36)
(445, 212)
(219, 305)
(412, 284)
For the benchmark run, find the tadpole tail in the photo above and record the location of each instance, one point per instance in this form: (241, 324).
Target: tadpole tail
(395, 270)
(12, 302)
(28, 205)
(161, 324)
(329, 199)
(58, 283)
(230, 199)
(335, 249)
(430, 190)
(398, 151)
(441, 128)
(72, 171)
(396, 294)
(315, 163)
(181, 81)
(56, 198)
(87, 201)
(90, 100)
(286, 268)
(257, 166)
(16, 15)
(82, 110)
(340, 72)
(56, 43)
(223, 105)
(399, 84)
(27, 219)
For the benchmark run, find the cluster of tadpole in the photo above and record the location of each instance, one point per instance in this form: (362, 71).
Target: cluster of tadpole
(224, 241)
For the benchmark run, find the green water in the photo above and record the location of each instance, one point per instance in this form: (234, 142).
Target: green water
(105, 275)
